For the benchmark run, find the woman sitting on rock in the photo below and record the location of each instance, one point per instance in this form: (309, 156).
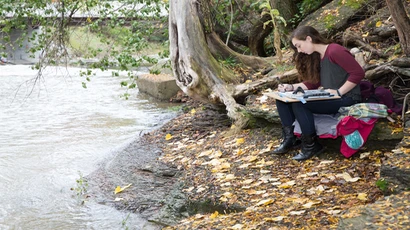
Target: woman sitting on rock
(319, 63)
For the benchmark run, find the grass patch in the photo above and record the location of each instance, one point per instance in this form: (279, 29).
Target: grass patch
(87, 44)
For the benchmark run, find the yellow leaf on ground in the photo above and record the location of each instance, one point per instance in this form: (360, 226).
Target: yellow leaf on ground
(252, 158)
(379, 23)
(230, 177)
(247, 181)
(237, 226)
(193, 111)
(227, 194)
(326, 162)
(297, 213)
(206, 153)
(275, 219)
(214, 215)
(216, 154)
(118, 189)
(310, 204)
(287, 184)
(397, 130)
(240, 141)
(244, 166)
(168, 137)
(362, 196)
(265, 202)
(225, 165)
(364, 155)
(346, 176)
(201, 189)
(267, 149)
(223, 199)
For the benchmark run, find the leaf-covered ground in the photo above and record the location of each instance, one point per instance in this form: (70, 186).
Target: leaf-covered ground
(262, 190)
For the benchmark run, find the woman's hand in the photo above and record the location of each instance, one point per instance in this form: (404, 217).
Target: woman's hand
(285, 87)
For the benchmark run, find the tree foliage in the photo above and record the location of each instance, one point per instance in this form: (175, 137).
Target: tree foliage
(123, 28)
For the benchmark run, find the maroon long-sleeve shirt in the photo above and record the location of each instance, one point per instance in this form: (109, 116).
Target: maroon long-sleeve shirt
(338, 66)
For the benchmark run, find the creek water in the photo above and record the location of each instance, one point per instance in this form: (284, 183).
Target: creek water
(55, 131)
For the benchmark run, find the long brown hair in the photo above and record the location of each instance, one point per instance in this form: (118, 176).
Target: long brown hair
(308, 66)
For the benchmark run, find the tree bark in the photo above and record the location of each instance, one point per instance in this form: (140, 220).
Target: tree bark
(402, 23)
(256, 41)
(257, 37)
(196, 70)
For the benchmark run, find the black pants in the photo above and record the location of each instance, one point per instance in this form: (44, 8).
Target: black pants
(303, 113)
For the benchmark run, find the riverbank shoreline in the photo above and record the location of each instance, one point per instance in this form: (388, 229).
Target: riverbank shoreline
(224, 179)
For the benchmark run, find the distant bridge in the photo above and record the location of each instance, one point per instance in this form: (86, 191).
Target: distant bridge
(18, 54)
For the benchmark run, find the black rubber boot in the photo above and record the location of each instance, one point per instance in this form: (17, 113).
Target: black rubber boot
(310, 147)
(289, 141)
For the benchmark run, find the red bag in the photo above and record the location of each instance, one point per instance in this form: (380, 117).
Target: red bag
(358, 128)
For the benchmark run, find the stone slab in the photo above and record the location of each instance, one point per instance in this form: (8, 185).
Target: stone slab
(159, 86)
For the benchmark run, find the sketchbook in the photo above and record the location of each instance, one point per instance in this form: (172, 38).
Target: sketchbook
(307, 95)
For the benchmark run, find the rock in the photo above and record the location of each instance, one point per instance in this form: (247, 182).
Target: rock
(161, 86)
(388, 213)
(395, 170)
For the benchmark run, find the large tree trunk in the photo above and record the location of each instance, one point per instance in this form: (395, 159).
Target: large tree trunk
(196, 70)
(402, 23)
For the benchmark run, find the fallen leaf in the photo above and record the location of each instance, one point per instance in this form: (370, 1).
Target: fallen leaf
(206, 153)
(247, 181)
(347, 177)
(364, 155)
(227, 194)
(310, 204)
(214, 215)
(262, 99)
(267, 149)
(193, 111)
(265, 202)
(275, 219)
(118, 189)
(189, 189)
(225, 165)
(297, 213)
(287, 184)
(326, 162)
(230, 177)
(252, 158)
(168, 137)
(237, 226)
(216, 154)
(244, 166)
(239, 152)
(397, 130)
(200, 189)
(240, 141)
(362, 196)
